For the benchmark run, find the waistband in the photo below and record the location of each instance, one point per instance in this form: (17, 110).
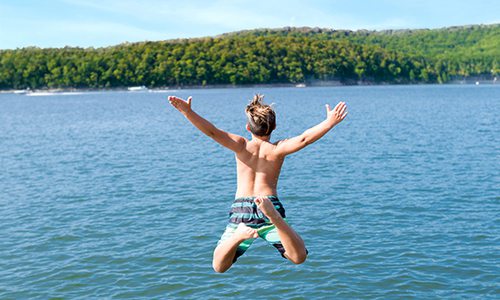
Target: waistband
(251, 198)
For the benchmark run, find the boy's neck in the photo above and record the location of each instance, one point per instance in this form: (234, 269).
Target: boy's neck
(261, 138)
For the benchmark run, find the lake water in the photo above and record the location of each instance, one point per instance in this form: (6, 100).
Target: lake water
(116, 195)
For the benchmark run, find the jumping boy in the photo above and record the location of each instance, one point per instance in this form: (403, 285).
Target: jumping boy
(256, 211)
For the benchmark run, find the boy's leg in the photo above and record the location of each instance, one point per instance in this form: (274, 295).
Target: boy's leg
(295, 249)
(225, 252)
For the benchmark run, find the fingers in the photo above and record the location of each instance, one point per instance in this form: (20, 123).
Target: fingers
(175, 99)
(253, 232)
(342, 109)
(337, 106)
(172, 99)
(179, 103)
(343, 116)
(340, 106)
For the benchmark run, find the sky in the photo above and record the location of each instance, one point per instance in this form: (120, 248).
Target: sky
(99, 23)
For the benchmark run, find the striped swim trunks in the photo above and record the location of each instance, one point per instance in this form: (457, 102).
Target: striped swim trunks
(244, 210)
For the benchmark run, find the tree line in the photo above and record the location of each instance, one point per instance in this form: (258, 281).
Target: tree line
(287, 55)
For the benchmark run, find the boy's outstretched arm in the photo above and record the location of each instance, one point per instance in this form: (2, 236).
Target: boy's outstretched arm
(311, 135)
(231, 141)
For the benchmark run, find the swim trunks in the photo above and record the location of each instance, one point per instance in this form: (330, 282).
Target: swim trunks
(244, 210)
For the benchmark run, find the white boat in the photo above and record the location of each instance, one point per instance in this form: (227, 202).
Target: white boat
(36, 94)
(20, 92)
(300, 85)
(137, 88)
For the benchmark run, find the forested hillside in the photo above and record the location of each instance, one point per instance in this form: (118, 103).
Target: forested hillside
(288, 55)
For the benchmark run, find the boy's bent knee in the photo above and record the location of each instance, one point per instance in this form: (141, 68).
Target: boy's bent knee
(219, 268)
(298, 258)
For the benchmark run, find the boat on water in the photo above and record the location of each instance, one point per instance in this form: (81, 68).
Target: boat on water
(137, 88)
(20, 92)
(300, 85)
(36, 94)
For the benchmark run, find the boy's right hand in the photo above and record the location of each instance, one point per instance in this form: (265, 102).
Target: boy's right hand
(180, 104)
(337, 114)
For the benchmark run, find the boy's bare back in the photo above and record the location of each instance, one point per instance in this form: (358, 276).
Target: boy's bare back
(258, 168)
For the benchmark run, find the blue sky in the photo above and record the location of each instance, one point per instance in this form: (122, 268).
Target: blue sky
(97, 23)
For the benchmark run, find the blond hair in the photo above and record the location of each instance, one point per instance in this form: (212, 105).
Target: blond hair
(261, 117)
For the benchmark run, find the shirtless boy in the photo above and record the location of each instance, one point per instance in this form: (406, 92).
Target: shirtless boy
(256, 211)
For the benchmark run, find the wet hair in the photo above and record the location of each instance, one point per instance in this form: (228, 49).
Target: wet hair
(261, 117)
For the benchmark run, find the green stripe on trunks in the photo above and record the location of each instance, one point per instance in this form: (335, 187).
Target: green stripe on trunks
(242, 204)
(245, 216)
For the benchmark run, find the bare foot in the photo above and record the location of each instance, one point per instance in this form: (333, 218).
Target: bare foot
(244, 232)
(266, 206)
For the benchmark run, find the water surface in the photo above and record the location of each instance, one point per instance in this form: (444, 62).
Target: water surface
(116, 195)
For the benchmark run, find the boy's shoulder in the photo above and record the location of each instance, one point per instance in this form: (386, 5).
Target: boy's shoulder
(276, 143)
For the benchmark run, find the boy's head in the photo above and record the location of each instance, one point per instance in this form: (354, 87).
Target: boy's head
(261, 117)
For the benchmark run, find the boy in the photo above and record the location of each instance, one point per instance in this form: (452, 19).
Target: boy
(256, 211)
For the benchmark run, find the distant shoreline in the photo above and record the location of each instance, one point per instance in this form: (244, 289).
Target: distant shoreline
(230, 86)
(284, 57)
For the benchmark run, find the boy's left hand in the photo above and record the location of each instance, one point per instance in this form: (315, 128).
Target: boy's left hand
(180, 104)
